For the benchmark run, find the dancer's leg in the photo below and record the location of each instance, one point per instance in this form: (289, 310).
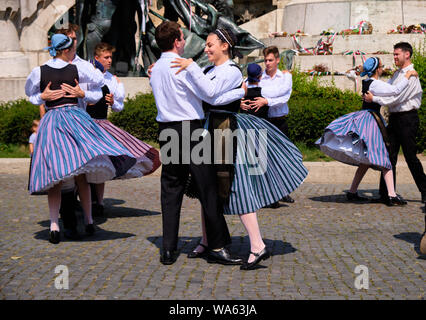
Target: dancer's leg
(200, 248)
(85, 197)
(100, 189)
(388, 176)
(249, 221)
(54, 201)
(359, 174)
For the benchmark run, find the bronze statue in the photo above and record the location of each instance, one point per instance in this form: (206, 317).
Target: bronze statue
(112, 21)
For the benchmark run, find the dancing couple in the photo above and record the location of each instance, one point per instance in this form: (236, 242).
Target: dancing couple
(362, 139)
(70, 146)
(182, 96)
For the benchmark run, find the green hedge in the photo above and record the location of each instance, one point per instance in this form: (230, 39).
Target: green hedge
(138, 117)
(16, 119)
(312, 108)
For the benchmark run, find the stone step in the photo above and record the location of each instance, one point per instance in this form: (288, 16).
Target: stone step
(369, 43)
(337, 63)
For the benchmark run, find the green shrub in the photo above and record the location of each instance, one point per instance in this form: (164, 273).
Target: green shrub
(16, 119)
(312, 107)
(138, 117)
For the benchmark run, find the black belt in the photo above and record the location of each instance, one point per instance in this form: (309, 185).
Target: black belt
(278, 118)
(404, 112)
(178, 122)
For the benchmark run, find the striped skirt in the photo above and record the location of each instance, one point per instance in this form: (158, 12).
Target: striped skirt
(355, 139)
(268, 166)
(147, 157)
(70, 143)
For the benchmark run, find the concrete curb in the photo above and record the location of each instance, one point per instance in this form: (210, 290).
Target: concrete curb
(319, 172)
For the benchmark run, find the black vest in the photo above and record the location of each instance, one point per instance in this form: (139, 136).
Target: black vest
(100, 109)
(233, 106)
(255, 93)
(369, 105)
(67, 74)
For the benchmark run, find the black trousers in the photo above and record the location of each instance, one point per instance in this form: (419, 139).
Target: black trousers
(174, 177)
(67, 210)
(402, 131)
(280, 123)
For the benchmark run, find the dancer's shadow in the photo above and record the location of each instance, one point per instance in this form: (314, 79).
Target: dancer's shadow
(240, 246)
(371, 194)
(413, 238)
(100, 234)
(112, 211)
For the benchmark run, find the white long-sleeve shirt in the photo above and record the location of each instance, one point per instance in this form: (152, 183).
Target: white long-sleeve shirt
(86, 75)
(116, 88)
(95, 85)
(277, 91)
(383, 89)
(220, 85)
(178, 97)
(407, 100)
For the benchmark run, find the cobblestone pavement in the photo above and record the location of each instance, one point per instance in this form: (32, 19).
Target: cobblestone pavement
(316, 244)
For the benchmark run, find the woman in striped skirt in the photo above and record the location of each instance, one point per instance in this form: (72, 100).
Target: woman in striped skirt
(359, 138)
(147, 157)
(264, 165)
(69, 145)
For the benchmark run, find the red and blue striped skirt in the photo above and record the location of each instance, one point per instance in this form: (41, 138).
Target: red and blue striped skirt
(70, 143)
(147, 157)
(355, 139)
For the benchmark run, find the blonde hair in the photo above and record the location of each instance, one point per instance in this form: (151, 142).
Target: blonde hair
(36, 123)
(102, 47)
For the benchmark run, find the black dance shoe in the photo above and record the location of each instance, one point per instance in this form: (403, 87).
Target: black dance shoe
(55, 237)
(355, 197)
(72, 234)
(287, 199)
(395, 201)
(90, 229)
(168, 257)
(274, 205)
(262, 255)
(223, 257)
(424, 197)
(195, 254)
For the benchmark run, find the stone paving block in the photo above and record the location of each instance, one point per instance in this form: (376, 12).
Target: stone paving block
(316, 244)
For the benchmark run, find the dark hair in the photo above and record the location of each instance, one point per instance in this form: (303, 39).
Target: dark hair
(102, 47)
(404, 46)
(67, 31)
(166, 34)
(227, 36)
(273, 50)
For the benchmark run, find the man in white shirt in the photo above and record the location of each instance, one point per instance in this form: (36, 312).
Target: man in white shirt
(403, 119)
(276, 91)
(180, 111)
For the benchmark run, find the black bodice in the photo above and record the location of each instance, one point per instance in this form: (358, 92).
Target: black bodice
(369, 105)
(67, 74)
(255, 93)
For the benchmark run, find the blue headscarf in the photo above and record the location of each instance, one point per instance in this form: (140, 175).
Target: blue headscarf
(370, 66)
(59, 42)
